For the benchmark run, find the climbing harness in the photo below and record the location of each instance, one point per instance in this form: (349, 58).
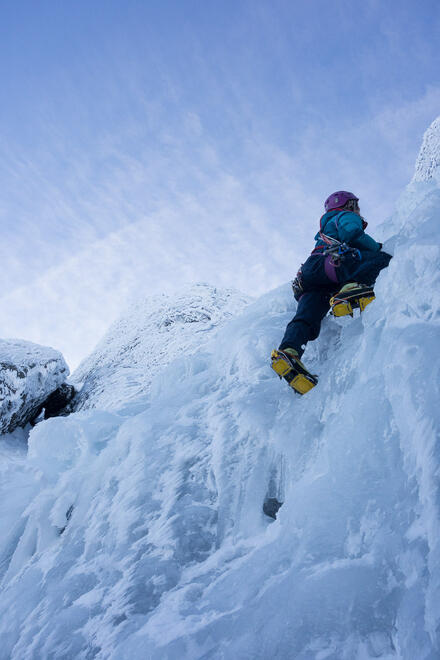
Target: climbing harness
(337, 250)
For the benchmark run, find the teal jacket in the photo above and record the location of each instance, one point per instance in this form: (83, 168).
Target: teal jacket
(346, 227)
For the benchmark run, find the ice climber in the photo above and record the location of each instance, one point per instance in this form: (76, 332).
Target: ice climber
(339, 274)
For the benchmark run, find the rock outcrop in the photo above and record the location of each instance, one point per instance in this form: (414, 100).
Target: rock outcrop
(29, 374)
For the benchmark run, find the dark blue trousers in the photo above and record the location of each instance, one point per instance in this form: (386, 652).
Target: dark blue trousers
(318, 289)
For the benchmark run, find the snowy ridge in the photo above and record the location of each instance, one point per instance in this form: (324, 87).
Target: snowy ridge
(428, 161)
(165, 553)
(149, 336)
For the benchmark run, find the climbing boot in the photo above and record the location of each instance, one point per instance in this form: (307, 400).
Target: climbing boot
(287, 365)
(351, 296)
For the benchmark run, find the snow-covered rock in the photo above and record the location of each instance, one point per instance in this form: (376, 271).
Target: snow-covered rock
(152, 333)
(29, 373)
(428, 161)
(141, 535)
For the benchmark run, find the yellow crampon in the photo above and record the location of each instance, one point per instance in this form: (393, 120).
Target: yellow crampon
(298, 381)
(340, 307)
(279, 364)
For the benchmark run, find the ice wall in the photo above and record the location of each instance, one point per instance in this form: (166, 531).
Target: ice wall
(144, 537)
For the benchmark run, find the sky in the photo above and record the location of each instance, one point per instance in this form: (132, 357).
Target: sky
(148, 145)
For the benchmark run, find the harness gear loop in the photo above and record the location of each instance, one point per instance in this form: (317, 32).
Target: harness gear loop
(297, 285)
(337, 250)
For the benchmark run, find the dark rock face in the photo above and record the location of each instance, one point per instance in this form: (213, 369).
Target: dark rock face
(29, 373)
(271, 507)
(56, 403)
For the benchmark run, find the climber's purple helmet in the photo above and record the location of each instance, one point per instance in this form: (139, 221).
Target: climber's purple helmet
(338, 199)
